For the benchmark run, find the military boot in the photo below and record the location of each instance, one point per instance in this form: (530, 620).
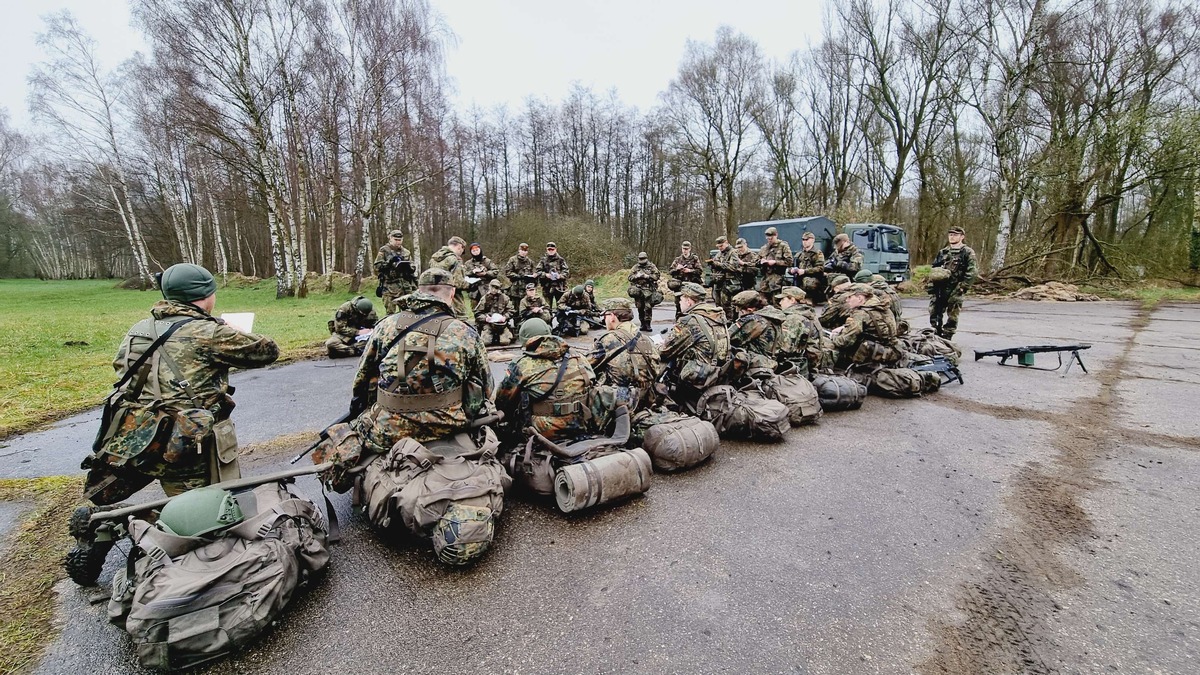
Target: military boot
(85, 561)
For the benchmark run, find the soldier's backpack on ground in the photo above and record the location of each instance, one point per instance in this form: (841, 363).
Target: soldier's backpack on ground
(836, 393)
(748, 416)
(903, 383)
(680, 443)
(451, 491)
(188, 600)
(795, 392)
(929, 343)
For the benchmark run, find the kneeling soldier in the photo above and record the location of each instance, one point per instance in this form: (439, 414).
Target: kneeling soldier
(493, 315)
(350, 326)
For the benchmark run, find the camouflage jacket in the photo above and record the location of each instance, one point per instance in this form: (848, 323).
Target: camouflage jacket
(848, 261)
(724, 264)
(780, 252)
(528, 395)
(347, 320)
(964, 269)
(698, 338)
(799, 339)
(893, 298)
(873, 321)
(687, 268)
(747, 268)
(810, 262)
(389, 274)
(644, 275)
(757, 333)
(530, 309)
(633, 366)
(836, 311)
(458, 360)
(448, 260)
(519, 270)
(580, 301)
(557, 264)
(493, 302)
(481, 268)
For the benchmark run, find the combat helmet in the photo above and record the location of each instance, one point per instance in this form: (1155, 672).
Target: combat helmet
(199, 512)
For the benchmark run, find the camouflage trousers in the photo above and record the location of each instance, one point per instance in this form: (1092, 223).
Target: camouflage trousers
(392, 295)
(769, 285)
(114, 484)
(723, 297)
(951, 307)
(338, 347)
(491, 334)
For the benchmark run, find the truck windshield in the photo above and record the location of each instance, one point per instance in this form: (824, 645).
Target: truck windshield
(892, 241)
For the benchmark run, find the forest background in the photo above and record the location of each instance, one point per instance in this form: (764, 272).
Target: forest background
(285, 138)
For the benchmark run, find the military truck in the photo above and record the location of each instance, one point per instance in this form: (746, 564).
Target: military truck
(884, 247)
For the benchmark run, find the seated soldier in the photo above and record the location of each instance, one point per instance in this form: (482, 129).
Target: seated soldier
(493, 315)
(835, 309)
(881, 286)
(798, 346)
(579, 300)
(624, 358)
(756, 330)
(869, 333)
(548, 388)
(351, 326)
(533, 306)
(590, 287)
(696, 348)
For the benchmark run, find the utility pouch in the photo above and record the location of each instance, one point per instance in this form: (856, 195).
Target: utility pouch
(192, 427)
(137, 432)
(226, 437)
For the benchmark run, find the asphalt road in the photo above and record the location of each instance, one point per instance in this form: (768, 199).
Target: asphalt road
(1023, 523)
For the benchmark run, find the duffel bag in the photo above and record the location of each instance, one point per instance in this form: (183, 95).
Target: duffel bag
(739, 415)
(904, 382)
(681, 443)
(836, 393)
(795, 392)
(929, 343)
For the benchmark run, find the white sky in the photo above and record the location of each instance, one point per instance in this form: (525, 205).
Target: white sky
(506, 50)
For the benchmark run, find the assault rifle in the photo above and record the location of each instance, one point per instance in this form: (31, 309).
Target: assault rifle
(567, 322)
(942, 366)
(1025, 355)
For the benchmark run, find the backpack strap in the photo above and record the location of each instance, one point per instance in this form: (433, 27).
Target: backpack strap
(618, 351)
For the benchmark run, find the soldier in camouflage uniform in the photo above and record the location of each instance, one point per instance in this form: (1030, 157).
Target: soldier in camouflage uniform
(580, 301)
(756, 330)
(624, 358)
(798, 344)
(424, 374)
(519, 270)
(881, 286)
(449, 258)
(845, 259)
(553, 273)
(869, 334)
(394, 269)
(696, 347)
(747, 268)
(644, 288)
(482, 268)
(774, 258)
(809, 268)
(836, 312)
(684, 269)
(533, 305)
(353, 319)
(589, 287)
(547, 388)
(725, 268)
(946, 295)
(494, 302)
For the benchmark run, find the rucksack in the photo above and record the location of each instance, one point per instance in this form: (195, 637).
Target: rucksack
(188, 600)
(836, 393)
(680, 443)
(740, 415)
(929, 343)
(903, 383)
(795, 392)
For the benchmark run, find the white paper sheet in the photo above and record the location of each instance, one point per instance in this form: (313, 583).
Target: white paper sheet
(243, 321)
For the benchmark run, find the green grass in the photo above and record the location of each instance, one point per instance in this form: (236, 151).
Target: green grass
(58, 338)
(1148, 294)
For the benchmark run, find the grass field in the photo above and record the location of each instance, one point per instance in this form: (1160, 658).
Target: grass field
(58, 338)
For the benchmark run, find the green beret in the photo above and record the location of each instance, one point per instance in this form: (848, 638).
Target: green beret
(861, 276)
(693, 290)
(186, 282)
(838, 279)
(613, 304)
(435, 276)
(746, 299)
(532, 328)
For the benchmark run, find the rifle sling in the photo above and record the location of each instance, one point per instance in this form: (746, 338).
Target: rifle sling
(617, 352)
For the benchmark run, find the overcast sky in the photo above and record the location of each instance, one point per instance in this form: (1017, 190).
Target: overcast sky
(505, 50)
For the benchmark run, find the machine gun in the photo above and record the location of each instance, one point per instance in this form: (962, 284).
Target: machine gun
(942, 366)
(1025, 355)
(566, 322)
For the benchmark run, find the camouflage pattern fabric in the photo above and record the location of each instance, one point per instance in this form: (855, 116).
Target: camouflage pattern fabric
(884, 289)
(726, 279)
(635, 367)
(836, 311)
(481, 267)
(527, 395)
(848, 261)
(163, 433)
(780, 254)
(798, 343)
(494, 302)
(347, 321)
(947, 296)
(757, 333)
(582, 302)
(518, 270)
(644, 276)
(686, 268)
(458, 359)
(533, 307)
(553, 289)
(869, 335)
(446, 259)
(811, 272)
(395, 285)
(747, 271)
(694, 350)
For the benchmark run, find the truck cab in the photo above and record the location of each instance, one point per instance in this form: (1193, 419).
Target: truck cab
(884, 247)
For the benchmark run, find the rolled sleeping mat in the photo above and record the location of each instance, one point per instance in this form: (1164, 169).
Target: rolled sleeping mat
(602, 480)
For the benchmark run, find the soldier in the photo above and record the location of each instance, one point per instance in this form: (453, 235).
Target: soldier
(798, 345)
(644, 289)
(350, 325)
(695, 348)
(881, 286)
(532, 305)
(449, 258)
(394, 269)
(494, 304)
(684, 269)
(809, 268)
(869, 334)
(836, 312)
(774, 257)
(553, 272)
(548, 388)
(845, 259)
(482, 268)
(580, 301)
(756, 330)
(624, 358)
(519, 270)
(747, 268)
(167, 418)
(424, 374)
(724, 265)
(590, 287)
(946, 293)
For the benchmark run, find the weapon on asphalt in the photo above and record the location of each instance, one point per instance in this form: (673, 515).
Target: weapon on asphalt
(1025, 355)
(942, 366)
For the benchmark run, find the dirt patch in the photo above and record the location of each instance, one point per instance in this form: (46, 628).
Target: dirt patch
(1008, 610)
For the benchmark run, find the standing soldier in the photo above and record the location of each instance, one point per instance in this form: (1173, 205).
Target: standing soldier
(747, 267)
(684, 269)
(494, 303)
(644, 289)
(695, 348)
(482, 268)
(350, 325)
(167, 418)
(394, 269)
(725, 276)
(624, 358)
(449, 258)
(519, 270)
(954, 271)
(553, 271)
(845, 259)
(809, 268)
(774, 257)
